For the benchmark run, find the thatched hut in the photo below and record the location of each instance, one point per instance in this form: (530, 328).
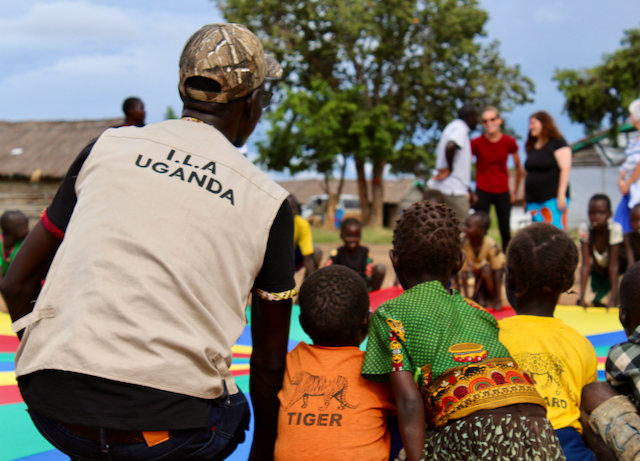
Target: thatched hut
(34, 157)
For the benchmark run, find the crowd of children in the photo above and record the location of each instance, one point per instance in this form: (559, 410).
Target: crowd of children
(440, 377)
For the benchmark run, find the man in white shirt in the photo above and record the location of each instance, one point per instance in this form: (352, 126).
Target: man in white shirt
(452, 175)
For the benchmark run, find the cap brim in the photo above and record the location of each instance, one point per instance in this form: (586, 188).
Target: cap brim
(274, 71)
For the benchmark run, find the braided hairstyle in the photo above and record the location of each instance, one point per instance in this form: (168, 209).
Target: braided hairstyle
(427, 238)
(542, 258)
(334, 303)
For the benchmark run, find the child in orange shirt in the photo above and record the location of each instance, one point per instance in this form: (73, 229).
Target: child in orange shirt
(327, 410)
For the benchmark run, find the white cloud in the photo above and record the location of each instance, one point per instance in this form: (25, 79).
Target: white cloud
(550, 13)
(47, 25)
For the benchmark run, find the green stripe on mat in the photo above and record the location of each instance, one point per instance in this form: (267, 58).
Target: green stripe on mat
(18, 436)
(7, 357)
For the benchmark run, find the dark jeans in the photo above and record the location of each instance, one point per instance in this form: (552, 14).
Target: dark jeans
(573, 446)
(502, 202)
(228, 421)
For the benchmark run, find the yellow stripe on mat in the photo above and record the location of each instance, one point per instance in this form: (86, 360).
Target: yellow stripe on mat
(238, 367)
(7, 378)
(590, 321)
(239, 349)
(5, 325)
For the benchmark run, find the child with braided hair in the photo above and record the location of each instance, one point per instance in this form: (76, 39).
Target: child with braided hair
(601, 242)
(459, 393)
(541, 265)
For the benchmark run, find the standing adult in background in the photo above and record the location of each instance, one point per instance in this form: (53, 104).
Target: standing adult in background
(548, 167)
(452, 175)
(628, 180)
(306, 254)
(134, 113)
(492, 150)
(167, 228)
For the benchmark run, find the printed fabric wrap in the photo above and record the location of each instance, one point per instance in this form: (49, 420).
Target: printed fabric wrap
(445, 341)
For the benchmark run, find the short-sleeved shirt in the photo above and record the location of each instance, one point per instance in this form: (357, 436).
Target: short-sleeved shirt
(328, 411)
(451, 347)
(622, 368)
(457, 183)
(358, 259)
(431, 320)
(492, 174)
(560, 360)
(616, 237)
(302, 239)
(543, 172)
(490, 253)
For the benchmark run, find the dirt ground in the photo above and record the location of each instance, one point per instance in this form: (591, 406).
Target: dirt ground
(380, 254)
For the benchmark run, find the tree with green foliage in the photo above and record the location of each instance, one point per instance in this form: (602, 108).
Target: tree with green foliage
(374, 81)
(170, 114)
(603, 91)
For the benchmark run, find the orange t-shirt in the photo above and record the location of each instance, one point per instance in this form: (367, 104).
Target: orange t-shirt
(328, 410)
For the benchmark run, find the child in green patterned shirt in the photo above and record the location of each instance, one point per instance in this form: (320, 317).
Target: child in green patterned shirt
(458, 392)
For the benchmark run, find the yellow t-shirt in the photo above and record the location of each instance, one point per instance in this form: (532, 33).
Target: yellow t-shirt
(560, 360)
(302, 235)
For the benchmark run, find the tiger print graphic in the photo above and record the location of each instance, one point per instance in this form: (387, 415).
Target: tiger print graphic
(309, 385)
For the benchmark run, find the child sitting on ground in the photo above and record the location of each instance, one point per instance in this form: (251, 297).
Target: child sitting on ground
(612, 407)
(15, 227)
(601, 242)
(476, 401)
(356, 256)
(632, 238)
(484, 261)
(541, 263)
(327, 410)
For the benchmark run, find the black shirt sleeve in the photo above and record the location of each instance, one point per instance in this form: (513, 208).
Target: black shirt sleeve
(277, 272)
(61, 208)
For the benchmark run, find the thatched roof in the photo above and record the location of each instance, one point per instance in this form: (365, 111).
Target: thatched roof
(394, 190)
(50, 147)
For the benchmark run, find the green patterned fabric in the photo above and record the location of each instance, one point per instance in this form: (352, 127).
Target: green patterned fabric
(499, 438)
(418, 327)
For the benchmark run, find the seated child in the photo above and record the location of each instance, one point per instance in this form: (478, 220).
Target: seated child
(560, 360)
(484, 260)
(327, 410)
(600, 240)
(612, 407)
(356, 256)
(476, 401)
(15, 227)
(632, 238)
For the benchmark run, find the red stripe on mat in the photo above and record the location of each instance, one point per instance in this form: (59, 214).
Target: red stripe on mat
(8, 343)
(9, 394)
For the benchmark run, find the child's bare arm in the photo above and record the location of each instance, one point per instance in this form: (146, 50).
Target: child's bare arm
(614, 253)
(627, 248)
(584, 272)
(411, 418)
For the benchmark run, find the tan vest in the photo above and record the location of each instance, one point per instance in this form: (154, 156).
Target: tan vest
(150, 283)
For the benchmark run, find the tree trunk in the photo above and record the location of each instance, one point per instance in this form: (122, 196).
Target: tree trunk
(365, 208)
(376, 218)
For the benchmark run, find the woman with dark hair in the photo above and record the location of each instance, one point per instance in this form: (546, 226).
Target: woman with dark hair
(547, 168)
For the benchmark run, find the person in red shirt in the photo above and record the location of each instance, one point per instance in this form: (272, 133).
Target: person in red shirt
(492, 150)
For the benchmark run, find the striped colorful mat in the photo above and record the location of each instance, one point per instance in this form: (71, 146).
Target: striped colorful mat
(20, 440)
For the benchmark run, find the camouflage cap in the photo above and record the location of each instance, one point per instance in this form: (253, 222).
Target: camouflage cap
(229, 54)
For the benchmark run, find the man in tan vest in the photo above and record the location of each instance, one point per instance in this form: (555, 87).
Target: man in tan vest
(149, 251)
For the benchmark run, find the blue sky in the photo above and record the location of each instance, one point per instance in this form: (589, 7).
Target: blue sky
(75, 59)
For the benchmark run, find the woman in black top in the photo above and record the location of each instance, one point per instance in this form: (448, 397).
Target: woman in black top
(547, 168)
